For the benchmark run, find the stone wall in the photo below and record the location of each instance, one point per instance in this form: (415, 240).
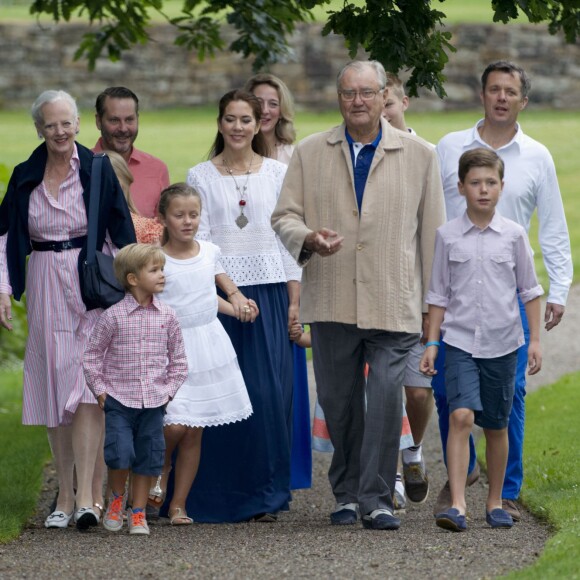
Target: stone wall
(164, 75)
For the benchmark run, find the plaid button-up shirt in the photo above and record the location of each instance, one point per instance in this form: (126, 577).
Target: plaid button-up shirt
(136, 354)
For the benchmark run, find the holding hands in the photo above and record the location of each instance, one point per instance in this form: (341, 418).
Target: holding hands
(244, 310)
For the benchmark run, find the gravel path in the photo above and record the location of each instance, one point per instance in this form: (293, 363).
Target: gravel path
(301, 544)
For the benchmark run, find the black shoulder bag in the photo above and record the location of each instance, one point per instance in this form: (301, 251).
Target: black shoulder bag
(100, 286)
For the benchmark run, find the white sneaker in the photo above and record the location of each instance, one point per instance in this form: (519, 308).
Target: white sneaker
(399, 501)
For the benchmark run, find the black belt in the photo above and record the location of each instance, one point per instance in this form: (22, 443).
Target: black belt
(58, 246)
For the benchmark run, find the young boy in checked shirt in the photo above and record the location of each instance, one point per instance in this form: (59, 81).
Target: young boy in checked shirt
(134, 364)
(481, 262)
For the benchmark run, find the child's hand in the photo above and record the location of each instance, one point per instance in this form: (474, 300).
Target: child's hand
(295, 331)
(534, 358)
(254, 310)
(427, 364)
(101, 400)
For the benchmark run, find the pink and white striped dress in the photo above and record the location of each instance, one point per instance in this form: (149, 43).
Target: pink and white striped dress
(59, 325)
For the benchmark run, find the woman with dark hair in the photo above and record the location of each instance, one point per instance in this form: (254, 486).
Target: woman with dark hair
(278, 129)
(44, 214)
(245, 467)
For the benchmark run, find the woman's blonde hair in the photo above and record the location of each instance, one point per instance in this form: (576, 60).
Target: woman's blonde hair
(284, 131)
(124, 176)
(133, 258)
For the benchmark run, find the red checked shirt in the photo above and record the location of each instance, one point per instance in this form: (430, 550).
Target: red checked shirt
(136, 354)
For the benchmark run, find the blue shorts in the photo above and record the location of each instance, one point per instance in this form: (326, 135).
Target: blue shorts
(484, 385)
(134, 438)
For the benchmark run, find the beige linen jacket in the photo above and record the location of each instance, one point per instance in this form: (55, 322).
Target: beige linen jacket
(379, 278)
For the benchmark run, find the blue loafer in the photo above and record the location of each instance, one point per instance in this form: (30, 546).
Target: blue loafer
(381, 519)
(345, 514)
(499, 518)
(451, 520)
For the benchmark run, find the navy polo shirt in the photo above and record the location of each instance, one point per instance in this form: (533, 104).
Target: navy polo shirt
(361, 163)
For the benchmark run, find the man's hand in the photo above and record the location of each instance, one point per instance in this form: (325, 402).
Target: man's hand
(553, 315)
(324, 242)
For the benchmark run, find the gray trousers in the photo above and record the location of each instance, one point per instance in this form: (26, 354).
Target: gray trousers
(366, 442)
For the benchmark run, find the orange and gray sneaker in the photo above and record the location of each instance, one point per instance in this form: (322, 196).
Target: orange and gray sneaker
(137, 522)
(113, 520)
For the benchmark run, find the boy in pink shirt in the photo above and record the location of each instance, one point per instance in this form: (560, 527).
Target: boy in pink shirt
(482, 262)
(134, 364)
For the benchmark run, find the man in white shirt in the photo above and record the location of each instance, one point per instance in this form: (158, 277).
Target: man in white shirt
(530, 183)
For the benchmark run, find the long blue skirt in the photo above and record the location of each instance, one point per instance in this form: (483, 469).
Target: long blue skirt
(245, 466)
(301, 465)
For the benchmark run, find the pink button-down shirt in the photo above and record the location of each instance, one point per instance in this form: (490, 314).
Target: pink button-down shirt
(475, 276)
(136, 354)
(150, 178)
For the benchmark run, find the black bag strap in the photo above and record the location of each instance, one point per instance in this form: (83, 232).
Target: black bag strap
(94, 197)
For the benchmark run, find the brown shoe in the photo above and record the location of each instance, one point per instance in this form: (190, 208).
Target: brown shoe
(443, 502)
(511, 507)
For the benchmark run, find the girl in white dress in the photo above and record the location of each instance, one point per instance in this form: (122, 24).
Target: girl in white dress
(214, 392)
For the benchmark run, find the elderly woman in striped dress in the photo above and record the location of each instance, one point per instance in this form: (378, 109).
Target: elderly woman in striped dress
(44, 214)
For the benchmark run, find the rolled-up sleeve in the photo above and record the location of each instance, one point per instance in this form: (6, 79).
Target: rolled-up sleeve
(438, 293)
(553, 236)
(526, 279)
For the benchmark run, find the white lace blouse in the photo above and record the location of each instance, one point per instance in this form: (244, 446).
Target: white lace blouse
(254, 254)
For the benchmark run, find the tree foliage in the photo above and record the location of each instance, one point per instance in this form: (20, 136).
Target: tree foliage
(402, 34)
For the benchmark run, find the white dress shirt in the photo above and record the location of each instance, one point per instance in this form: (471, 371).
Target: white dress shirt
(530, 183)
(475, 275)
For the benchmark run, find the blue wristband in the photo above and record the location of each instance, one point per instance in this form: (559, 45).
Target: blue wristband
(432, 343)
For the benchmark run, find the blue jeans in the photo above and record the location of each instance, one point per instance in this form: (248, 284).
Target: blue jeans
(514, 474)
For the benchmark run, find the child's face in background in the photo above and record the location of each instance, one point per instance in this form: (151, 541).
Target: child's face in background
(394, 110)
(481, 188)
(182, 218)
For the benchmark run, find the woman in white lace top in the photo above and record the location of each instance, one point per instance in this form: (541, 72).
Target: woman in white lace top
(245, 467)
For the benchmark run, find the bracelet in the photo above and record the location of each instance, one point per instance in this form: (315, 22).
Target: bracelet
(230, 294)
(432, 343)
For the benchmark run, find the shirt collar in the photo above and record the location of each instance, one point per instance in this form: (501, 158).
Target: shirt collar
(131, 304)
(473, 138)
(495, 224)
(75, 161)
(374, 144)
(136, 155)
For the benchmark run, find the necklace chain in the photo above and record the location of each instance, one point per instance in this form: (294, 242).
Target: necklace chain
(241, 220)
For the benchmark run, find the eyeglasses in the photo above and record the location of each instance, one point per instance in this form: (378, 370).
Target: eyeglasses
(365, 94)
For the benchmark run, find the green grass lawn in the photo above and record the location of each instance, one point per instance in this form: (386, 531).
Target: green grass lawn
(182, 138)
(23, 452)
(551, 488)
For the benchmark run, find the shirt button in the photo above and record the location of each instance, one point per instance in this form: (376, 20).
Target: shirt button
(359, 247)
(479, 282)
(354, 212)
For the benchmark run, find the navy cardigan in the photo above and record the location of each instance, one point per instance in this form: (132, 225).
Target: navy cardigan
(114, 215)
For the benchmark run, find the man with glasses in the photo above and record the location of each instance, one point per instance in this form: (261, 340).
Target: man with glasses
(358, 209)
